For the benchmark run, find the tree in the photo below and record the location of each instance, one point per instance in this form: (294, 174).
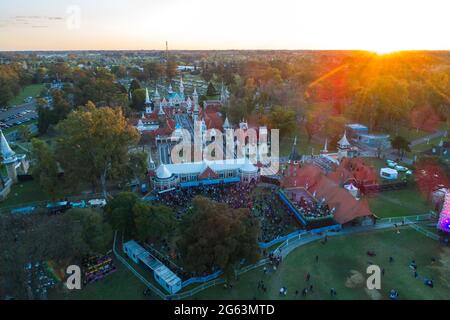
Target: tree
(138, 99)
(152, 221)
(119, 71)
(24, 132)
(283, 119)
(119, 212)
(135, 84)
(94, 145)
(96, 233)
(137, 165)
(218, 237)
(171, 69)
(401, 145)
(35, 238)
(153, 71)
(45, 167)
(211, 91)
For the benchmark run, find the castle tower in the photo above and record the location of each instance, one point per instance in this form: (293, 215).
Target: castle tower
(294, 155)
(224, 94)
(156, 97)
(196, 112)
(195, 97)
(148, 103)
(226, 124)
(325, 147)
(343, 146)
(14, 163)
(181, 89)
(161, 113)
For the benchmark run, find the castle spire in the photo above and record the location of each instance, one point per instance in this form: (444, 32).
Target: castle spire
(147, 97)
(5, 149)
(325, 147)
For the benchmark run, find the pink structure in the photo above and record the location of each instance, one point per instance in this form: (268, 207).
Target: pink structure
(444, 220)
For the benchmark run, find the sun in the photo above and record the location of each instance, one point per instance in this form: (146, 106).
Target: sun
(384, 51)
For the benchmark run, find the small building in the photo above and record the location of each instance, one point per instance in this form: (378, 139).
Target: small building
(357, 128)
(163, 275)
(375, 140)
(192, 174)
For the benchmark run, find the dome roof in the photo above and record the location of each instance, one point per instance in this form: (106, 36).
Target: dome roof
(344, 141)
(162, 172)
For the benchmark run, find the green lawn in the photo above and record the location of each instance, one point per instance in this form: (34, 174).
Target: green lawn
(29, 191)
(303, 146)
(409, 133)
(427, 146)
(29, 91)
(338, 258)
(399, 203)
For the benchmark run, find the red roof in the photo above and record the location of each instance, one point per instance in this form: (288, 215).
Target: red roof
(208, 173)
(314, 180)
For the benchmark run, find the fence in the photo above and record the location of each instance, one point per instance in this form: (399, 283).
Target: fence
(406, 219)
(201, 279)
(425, 232)
(297, 233)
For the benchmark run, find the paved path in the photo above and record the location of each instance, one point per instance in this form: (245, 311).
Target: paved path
(437, 134)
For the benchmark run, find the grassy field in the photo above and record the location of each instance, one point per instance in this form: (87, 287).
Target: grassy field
(399, 203)
(25, 192)
(303, 146)
(333, 270)
(29, 91)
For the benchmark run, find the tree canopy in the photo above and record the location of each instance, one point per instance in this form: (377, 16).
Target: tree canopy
(218, 237)
(93, 145)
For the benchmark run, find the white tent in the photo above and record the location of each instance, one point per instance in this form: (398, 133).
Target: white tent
(352, 189)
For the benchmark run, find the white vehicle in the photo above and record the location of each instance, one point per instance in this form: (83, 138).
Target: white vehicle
(392, 164)
(97, 203)
(401, 169)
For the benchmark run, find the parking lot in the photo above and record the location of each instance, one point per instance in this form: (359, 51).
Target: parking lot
(18, 115)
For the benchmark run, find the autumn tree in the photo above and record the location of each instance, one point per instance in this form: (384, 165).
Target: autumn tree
(96, 233)
(35, 238)
(283, 119)
(119, 212)
(45, 167)
(93, 145)
(401, 145)
(216, 236)
(153, 221)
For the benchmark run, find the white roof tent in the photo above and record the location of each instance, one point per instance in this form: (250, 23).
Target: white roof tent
(166, 171)
(163, 275)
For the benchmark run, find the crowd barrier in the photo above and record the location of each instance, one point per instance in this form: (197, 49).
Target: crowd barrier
(295, 234)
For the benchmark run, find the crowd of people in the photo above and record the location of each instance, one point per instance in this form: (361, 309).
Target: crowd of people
(275, 220)
(236, 196)
(311, 209)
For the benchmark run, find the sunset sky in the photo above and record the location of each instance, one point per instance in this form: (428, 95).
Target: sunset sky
(378, 25)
